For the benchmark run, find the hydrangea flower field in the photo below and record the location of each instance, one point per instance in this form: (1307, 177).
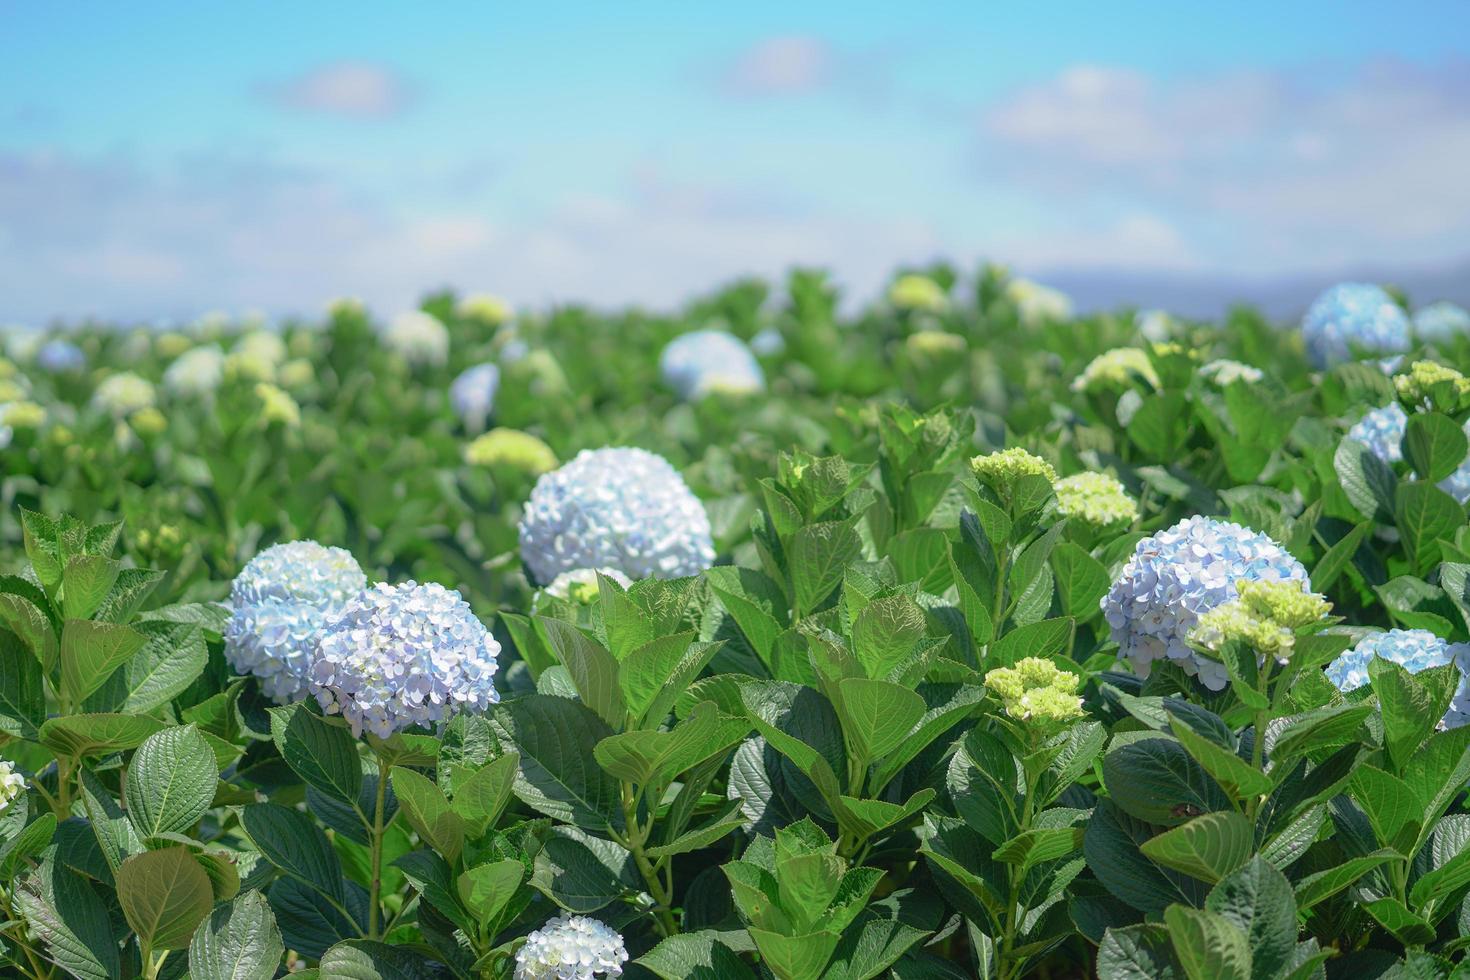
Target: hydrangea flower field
(953, 635)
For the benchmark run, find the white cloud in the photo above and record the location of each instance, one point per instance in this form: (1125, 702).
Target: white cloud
(782, 65)
(357, 89)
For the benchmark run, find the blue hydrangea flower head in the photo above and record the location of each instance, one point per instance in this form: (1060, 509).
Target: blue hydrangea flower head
(1441, 321)
(60, 357)
(768, 343)
(1353, 316)
(472, 394)
(623, 509)
(1413, 650)
(1177, 575)
(279, 603)
(1382, 431)
(396, 656)
(705, 361)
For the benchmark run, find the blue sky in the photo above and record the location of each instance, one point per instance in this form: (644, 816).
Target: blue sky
(158, 160)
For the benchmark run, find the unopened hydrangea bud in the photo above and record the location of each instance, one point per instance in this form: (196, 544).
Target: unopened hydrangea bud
(1416, 386)
(1037, 304)
(485, 308)
(279, 603)
(171, 344)
(1225, 372)
(707, 361)
(1441, 321)
(1096, 498)
(1037, 691)
(277, 407)
(571, 947)
(626, 509)
(1232, 622)
(1414, 650)
(1001, 470)
(1287, 602)
(396, 656)
(23, 415)
(472, 394)
(12, 784)
(917, 293)
(1178, 575)
(510, 448)
(148, 422)
(418, 337)
(936, 344)
(1353, 317)
(1116, 369)
(296, 374)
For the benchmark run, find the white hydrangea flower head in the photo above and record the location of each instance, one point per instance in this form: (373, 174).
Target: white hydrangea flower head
(1037, 304)
(1115, 369)
(1413, 650)
(1156, 326)
(705, 361)
(196, 373)
(1178, 575)
(12, 784)
(263, 345)
(396, 656)
(418, 337)
(279, 603)
(619, 508)
(1382, 431)
(60, 356)
(123, 394)
(1353, 316)
(580, 584)
(1441, 321)
(472, 394)
(571, 947)
(1225, 372)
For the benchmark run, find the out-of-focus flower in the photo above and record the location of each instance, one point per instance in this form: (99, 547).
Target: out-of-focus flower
(1353, 317)
(769, 342)
(934, 344)
(1178, 575)
(580, 585)
(22, 415)
(1000, 470)
(917, 293)
(571, 947)
(148, 422)
(60, 357)
(171, 344)
(396, 656)
(625, 509)
(279, 603)
(1037, 691)
(473, 395)
(1441, 321)
(487, 309)
(197, 373)
(1416, 387)
(513, 449)
(11, 391)
(1382, 431)
(1037, 304)
(346, 307)
(1265, 615)
(1096, 498)
(418, 337)
(12, 784)
(1116, 369)
(276, 406)
(1413, 650)
(1224, 372)
(705, 361)
(263, 345)
(1156, 326)
(296, 374)
(123, 394)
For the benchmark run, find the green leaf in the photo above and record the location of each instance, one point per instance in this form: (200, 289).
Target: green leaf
(877, 716)
(1154, 779)
(1426, 514)
(722, 822)
(559, 776)
(1444, 880)
(1081, 580)
(1046, 639)
(164, 895)
(1141, 952)
(170, 782)
(322, 753)
(582, 873)
(429, 813)
(1033, 847)
(91, 651)
(1322, 728)
(1368, 482)
(1257, 900)
(1319, 887)
(1407, 928)
(1236, 776)
(486, 888)
(1209, 847)
(39, 534)
(1209, 946)
(648, 672)
(886, 632)
(173, 657)
(366, 959)
(1409, 706)
(22, 691)
(97, 734)
(695, 956)
(21, 605)
(656, 757)
(818, 554)
(795, 957)
(63, 909)
(1337, 558)
(239, 941)
(1111, 848)
(133, 586)
(481, 798)
(1434, 445)
(85, 583)
(293, 843)
(594, 670)
(1392, 808)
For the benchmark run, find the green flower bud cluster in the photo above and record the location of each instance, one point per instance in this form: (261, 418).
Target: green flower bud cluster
(1116, 369)
(513, 449)
(916, 292)
(1037, 692)
(1427, 379)
(1096, 498)
(1001, 470)
(1265, 616)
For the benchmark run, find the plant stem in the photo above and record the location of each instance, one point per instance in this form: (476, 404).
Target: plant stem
(637, 837)
(375, 894)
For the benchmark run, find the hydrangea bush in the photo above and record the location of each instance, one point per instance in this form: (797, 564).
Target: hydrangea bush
(979, 639)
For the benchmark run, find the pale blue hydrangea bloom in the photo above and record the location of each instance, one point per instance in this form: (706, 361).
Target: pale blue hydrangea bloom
(473, 394)
(1441, 321)
(396, 656)
(1382, 431)
(279, 603)
(768, 343)
(571, 947)
(696, 364)
(1351, 317)
(623, 509)
(1176, 576)
(60, 357)
(1413, 650)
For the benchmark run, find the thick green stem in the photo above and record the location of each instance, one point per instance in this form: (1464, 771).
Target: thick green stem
(375, 893)
(661, 890)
